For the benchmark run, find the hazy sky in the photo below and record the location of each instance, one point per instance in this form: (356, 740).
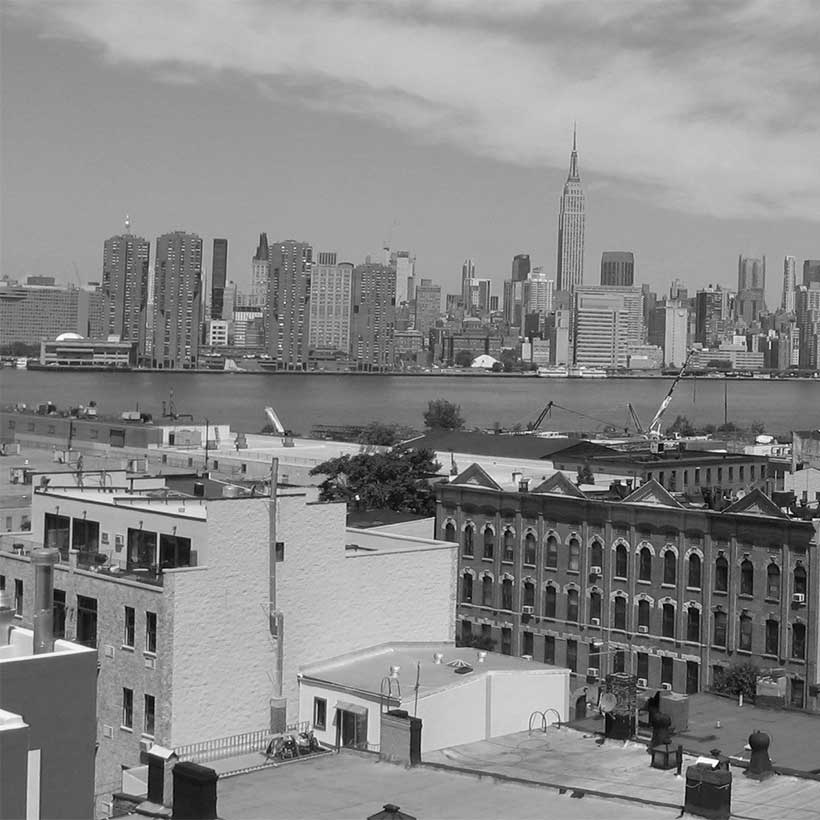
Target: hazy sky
(445, 124)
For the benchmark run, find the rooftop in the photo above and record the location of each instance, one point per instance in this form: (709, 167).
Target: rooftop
(21, 645)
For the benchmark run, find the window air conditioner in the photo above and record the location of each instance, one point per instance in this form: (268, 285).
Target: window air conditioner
(798, 598)
(527, 610)
(643, 630)
(592, 672)
(666, 686)
(145, 745)
(595, 571)
(642, 683)
(108, 731)
(595, 621)
(526, 657)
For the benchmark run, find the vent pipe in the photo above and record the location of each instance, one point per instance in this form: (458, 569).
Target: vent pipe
(43, 561)
(7, 611)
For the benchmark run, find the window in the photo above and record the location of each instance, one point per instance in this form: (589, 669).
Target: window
(175, 551)
(621, 561)
(449, 532)
(797, 692)
(489, 543)
(745, 641)
(668, 621)
(693, 624)
(620, 613)
(643, 614)
(572, 605)
(800, 580)
(127, 708)
(529, 594)
(721, 574)
(773, 582)
(619, 661)
(645, 564)
(772, 637)
(529, 549)
(527, 643)
(574, 555)
(469, 540)
(740, 471)
(142, 549)
(150, 705)
(56, 533)
(506, 641)
(85, 538)
(551, 561)
(466, 633)
(2, 581)
(550, 605)
(87, 621)
(278, 552)
(487, 591)
(549, 649)
(150, 631)
(596, 554)
(667, 670)
(467, 588)
(595, 657)
(719, 637)
(509, 546)
(747, 578)
(670, 565)
(319, 713)
(572, 655)
(799, 641)
(643, 665)
(130, 627)
(708, 475)
(18, 597)
(507, 594)
(693, 580)
(595, 605)
(59, 613)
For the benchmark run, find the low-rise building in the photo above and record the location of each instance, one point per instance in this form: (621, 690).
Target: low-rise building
(71, 350)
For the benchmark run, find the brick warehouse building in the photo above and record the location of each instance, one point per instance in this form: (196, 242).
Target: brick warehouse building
(642, 584)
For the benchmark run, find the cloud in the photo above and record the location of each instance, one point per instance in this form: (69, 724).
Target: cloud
(705, 108)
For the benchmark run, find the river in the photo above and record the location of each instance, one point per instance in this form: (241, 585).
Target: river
(305, 400)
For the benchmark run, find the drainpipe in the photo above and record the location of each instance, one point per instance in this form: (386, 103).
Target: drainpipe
(43, 561)
(278, 703)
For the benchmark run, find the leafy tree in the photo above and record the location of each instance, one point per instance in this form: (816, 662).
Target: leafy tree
(585, 475)
(484, 642)
(682, 425)
(443, 415)
(384, 435)
(396, 480)
(738, 679)
(729, 427)
(498, 367)
(509, 360)
(464, 358)
(757, 427)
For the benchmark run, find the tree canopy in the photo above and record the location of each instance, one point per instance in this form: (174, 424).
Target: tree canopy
(396, 480)
(384, 435)
(443, 415)
(464, 358)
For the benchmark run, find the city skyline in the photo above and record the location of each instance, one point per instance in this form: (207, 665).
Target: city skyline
(446, 202)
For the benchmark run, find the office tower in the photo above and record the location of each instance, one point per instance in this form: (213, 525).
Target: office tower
(287, 311)
(513, 302)
(404, 265)
(428, 306)
(675, 328)
(219, 275)
(520, 267)
(789, 283)
(751, 284)
(331, 284)
(606, 321)
(807, 312)
(230, 298)
(124, 287)
(493, 304)
(811, 271)
(618, 268)
(678, 292)
(467, 279)
(374, 314)
(571, 229)
(538, 292)
(260, 272)
(177, 305)
(713, 311)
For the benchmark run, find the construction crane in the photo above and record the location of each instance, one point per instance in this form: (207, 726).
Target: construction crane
(170, 411)
(635, 420)
(274, 421)
(533, 428)
(653, 431)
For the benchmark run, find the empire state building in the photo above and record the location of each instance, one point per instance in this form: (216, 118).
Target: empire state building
(571, 229)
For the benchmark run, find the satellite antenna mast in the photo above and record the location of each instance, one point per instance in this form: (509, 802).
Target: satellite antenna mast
(127, 224)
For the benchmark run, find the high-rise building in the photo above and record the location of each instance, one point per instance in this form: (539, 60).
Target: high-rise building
(480, 296)
(428, 306)
(219, 275)
(177, 305)
(789, 283)
(260, 272)
(751, 286)
(404, 265)
(675, 328)
(467, 280)
(713, 312)
(811, 271)
(331, 284)
(678, 291)
(124, 287)
(618, 268)
(514, 302)
(287, 309)
(538, 292)
(606, 321)
(520, 267)
(374, 315)
(807, 311)
(571, 220)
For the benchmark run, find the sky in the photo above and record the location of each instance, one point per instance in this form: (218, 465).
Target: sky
(440, 126)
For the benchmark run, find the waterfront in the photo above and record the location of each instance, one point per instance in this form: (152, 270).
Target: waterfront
(303, 401)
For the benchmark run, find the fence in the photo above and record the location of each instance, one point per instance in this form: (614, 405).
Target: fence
(234, 745)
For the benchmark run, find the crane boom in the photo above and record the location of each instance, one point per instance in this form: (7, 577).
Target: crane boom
(543, 414)
(274, 420)
(654, 428)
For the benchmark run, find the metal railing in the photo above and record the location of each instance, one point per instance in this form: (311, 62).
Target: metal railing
(234, 745)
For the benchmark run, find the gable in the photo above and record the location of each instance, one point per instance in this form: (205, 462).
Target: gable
(756, 503)
(476, 476)
(559, 484)
(652, 493)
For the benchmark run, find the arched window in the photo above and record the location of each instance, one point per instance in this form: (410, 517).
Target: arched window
(670, 567)
(574, 555)
(772, 636)
(720, 621)
(800, 580)
(643, 614)
(529, 593)
(450, 531)
(550, 605)
(572, 605)
(551, 560)
(773, 582)
(529, 549)
(799, 641)
(747, 577)
(489, 543)
(620, 613)
(469, 540)
(668, 620)
(694, 571)
(693, 624)
(487, 591)
(645, 564)
(467, 588)
(595, 606)
(721, 576)
(507, 594)
(596, 554)
(745, 642)
(621, 561)
(509, 546)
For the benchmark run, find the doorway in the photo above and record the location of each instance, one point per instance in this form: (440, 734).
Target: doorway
(351, 726)
(692, 677)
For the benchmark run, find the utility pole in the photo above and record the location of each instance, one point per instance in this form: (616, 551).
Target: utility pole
(206, 445)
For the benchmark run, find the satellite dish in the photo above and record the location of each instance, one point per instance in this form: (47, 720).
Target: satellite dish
(607, 702)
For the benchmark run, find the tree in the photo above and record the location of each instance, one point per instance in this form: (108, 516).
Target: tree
(585, 475)
(484, 642)
(682, 425)
(384, 435)
(509, 360)
(498, 367)
(738, 679)
(396, 480)
(464, 358)
(443, 415)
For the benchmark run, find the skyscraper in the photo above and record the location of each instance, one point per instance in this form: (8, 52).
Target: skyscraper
(287, 310)
(177, 306)
(428, 306)
(538, 290)
(467, 278)
(124, 286)
(219, 275)
(618, 268)
(789, 283)
(571, 228)
(713, 309)
(751, 286)
(674, 342)
(807, 310)
(260, 272)
(331, 286)
(811, 271)
(520, 267)
(607, 320)
(404, 264)
(374, 316)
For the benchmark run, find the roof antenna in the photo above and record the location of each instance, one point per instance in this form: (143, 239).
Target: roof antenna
(127, 224)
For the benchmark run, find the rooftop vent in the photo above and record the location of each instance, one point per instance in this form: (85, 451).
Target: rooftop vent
(437, 657)
(481, 656)
(394, 672)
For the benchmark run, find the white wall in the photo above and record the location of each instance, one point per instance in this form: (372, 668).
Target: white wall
(454, 716)
(514, 696)
(309, 691)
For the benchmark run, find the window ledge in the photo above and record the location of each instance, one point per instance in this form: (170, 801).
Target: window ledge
(488, 559)
(149, 654)
(774, 656)
(619, 578)
(720, 591)
(147, 736)
(529, 565)
(509, 561)
(667, 585)
(694, 589)
(644, 582)
(771, 600)
(467, 555)
(797, 660)
(573, 572)
(127, 648)
(128, 729)
(746, 596)
(552, 569)
(743, 651)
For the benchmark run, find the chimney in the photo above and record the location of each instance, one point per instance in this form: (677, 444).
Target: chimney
(43, 561)
(7, 610)
(516, 477)
(199, 489)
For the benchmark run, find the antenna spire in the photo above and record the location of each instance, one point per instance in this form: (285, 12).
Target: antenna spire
(574, 131)
(127, 224)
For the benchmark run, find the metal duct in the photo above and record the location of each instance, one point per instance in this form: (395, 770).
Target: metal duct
(43, 561)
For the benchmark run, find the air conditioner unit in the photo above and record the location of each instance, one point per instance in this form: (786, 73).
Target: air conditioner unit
(592, 672)
(595, 571)
(109, 651)
(595, 621)
(526, 657)
(798, 598)
(527, 610)
(643, 630)
(145, 745)
(667, 687)
(108, 731)
(642, 683)
(118, 541)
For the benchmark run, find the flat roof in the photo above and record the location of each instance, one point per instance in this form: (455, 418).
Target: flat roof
(180, 505)
(365, 670)
(21, 645)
